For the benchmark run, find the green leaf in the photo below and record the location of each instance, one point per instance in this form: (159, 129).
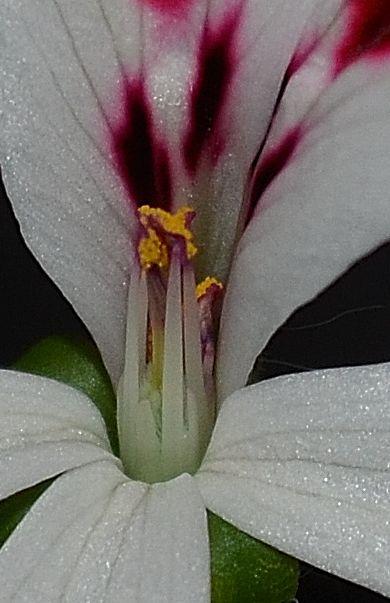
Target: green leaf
(245, 570)
(75, 362)
(14, 508)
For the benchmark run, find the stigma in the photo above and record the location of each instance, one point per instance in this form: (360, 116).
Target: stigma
(166, 398)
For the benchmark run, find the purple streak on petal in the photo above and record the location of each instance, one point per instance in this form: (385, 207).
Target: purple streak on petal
(368, 33)
(269, 167)
(216, 64)
(141, 158)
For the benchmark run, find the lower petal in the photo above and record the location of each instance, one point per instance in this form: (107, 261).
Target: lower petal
(309, 456)
(38, 560)
(45, 428)
(97, 536)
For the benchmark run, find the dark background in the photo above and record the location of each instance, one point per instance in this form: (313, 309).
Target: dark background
(348, 324)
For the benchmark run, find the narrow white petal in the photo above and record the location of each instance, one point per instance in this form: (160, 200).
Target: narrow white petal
(326, 207)
(97, 536)
(302, 463)
(55, 153)
(45, 428)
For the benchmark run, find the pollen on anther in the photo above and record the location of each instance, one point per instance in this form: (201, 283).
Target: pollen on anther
(161, 230)
(152, 252)
(208, 283)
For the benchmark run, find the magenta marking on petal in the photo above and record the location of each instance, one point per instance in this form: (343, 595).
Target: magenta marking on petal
(216, 64)
(304, 51)
(141, 158)
(368, 32)
(269, 167)
(172, 7)
(298, 60)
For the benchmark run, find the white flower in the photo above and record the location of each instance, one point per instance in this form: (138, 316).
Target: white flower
(106, 105)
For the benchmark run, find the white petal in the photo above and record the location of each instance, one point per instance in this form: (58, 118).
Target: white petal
(325, 209)
(302, 463)
(45, 428)
(37, 561)
(64, 66)
(152, 551)
(216, 75)
(97, 536)
(55, 159)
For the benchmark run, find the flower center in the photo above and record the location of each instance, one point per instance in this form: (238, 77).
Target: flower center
(166, 399)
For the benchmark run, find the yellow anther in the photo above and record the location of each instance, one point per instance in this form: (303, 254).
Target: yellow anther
(152, 252)
(203, 287)
(152, 249)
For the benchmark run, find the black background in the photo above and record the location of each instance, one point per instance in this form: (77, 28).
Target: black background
(348, 324)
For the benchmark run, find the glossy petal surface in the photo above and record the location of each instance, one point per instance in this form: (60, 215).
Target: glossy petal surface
(323, 205)
(45, 428)
(56, 166)
(109, 104)
(97, 536)
(302, 463)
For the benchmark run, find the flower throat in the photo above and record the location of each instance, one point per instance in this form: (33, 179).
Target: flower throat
(166, 399)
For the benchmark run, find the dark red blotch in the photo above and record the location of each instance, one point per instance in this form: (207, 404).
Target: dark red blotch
(270, 166)
(216, 61)
(141, 158)
(368, 32)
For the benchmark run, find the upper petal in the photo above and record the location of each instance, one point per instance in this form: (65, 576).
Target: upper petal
(45, 428)
(216, 71)
(97, 536)
(309, 456)
(108, 104)
(56, 166)
(321, 203)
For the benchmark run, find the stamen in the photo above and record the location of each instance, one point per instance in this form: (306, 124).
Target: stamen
(209, 296)
(166, 406)
(129, 388)
(208, 283)
(152, 252)
(197, 379)
(186, 417)
(161, 226)
(173, 374)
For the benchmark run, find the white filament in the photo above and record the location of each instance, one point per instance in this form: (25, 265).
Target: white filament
(164, 429)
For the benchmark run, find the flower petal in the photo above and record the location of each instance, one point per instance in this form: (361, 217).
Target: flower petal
(323, 204)
(95, 535)
(309, 455)
(45, 428)
(229, 58)
(159, 552)
(38, 559)
(56, 165)
(165, 103)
